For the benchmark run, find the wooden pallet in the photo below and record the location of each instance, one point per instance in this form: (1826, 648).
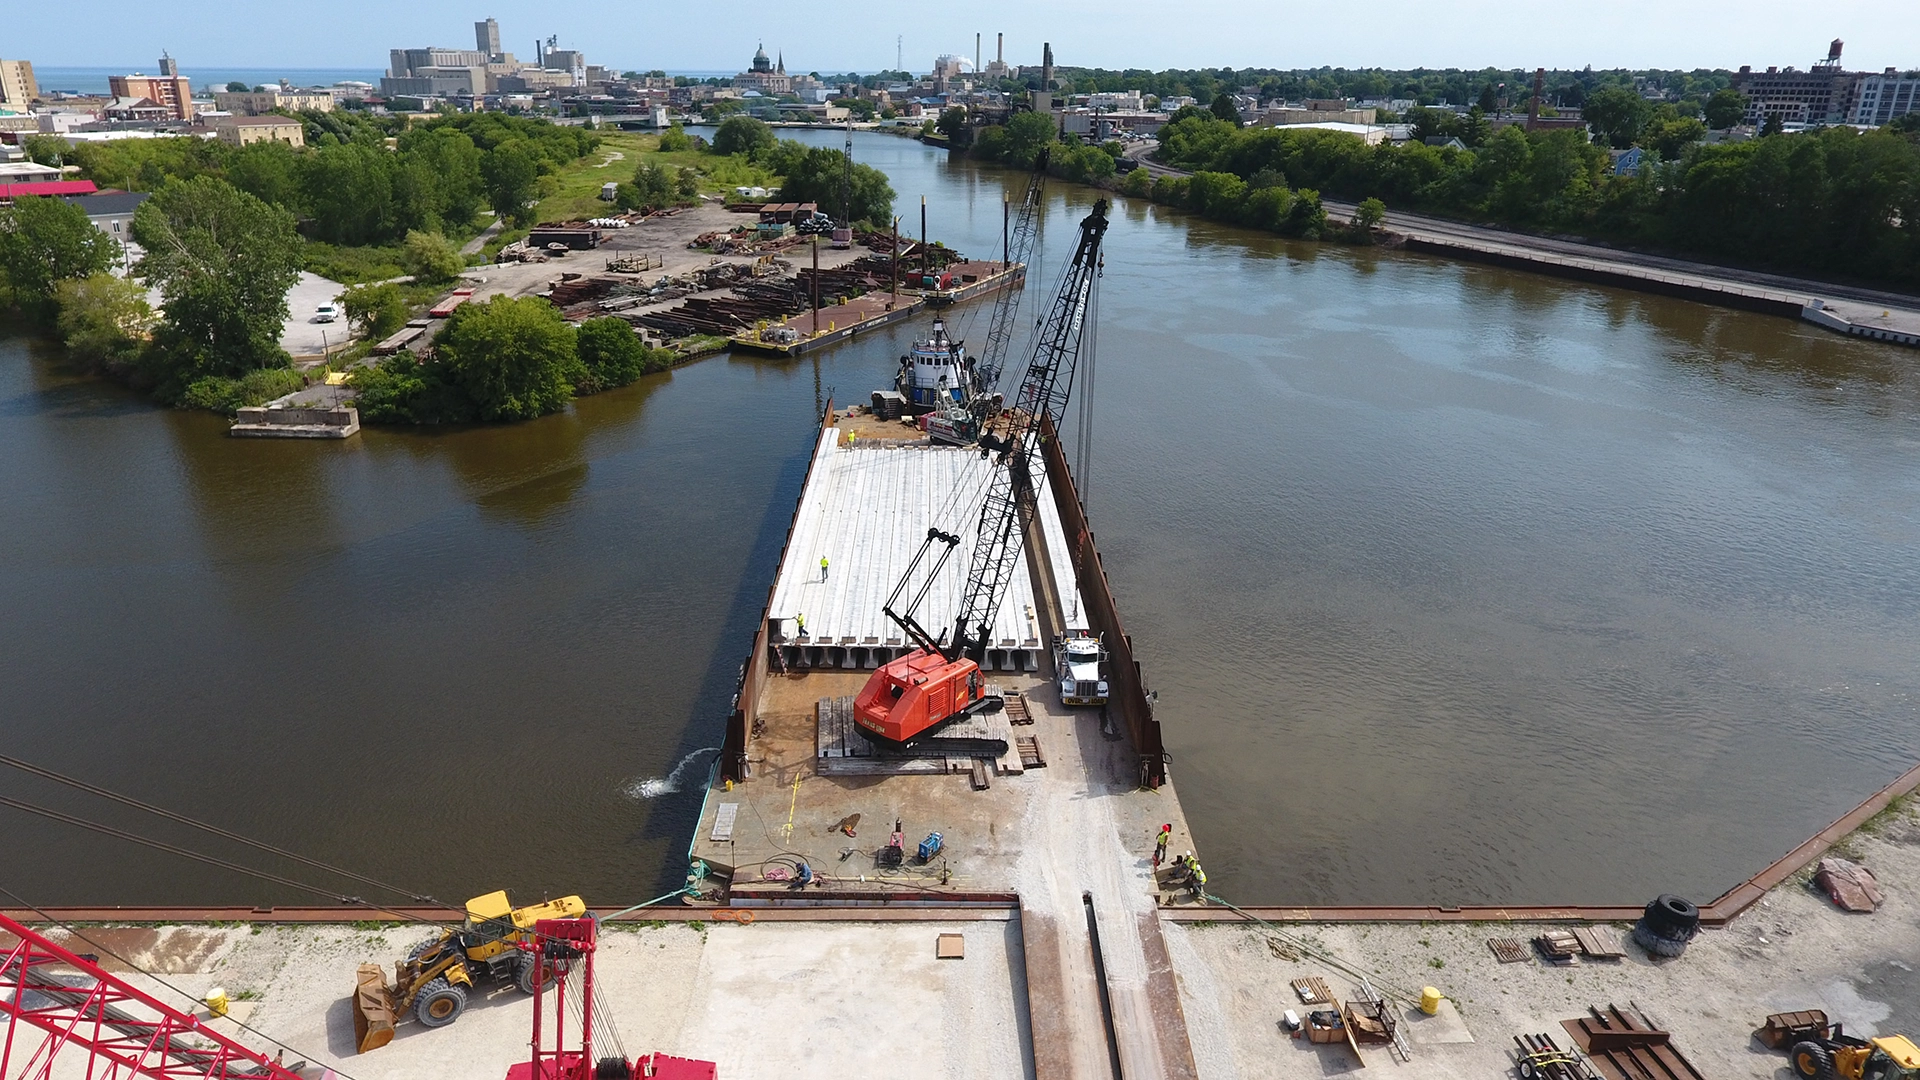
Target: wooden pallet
(1312, 990)
(1508, 950)
(1597, 945)
(1017, 713)
(1557, 947)
(1028, 747)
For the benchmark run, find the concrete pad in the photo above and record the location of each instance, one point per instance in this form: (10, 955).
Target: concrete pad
(1444, 1026)
(1792, 950)
(302, 336)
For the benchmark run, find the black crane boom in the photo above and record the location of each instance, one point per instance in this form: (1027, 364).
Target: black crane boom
(1007, 301)
(1044, 389)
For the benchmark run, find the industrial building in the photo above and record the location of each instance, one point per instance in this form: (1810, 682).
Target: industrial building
(17, 86)
(1882, 99)
(1827, 93)
(262, 102)
(170, 92)
(244, 130)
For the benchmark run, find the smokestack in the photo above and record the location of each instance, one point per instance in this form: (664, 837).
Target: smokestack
(1046, 65)
(1000, 48)
(976, 52)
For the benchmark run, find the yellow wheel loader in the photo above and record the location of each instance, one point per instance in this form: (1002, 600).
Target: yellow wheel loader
(495, 943)
(1840, 1056)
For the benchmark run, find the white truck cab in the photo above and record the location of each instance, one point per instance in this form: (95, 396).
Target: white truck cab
(1080, 665)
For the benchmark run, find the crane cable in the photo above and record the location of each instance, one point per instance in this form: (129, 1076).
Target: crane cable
(160, 845)
(237, 1022)
(601, 1003)
(94, 789)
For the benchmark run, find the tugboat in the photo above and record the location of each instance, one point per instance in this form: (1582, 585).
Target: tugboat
(937, 375)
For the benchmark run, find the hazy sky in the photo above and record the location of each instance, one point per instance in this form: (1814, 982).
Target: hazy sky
(1388, 33)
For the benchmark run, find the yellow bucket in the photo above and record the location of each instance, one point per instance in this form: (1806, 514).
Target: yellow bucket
(216, 1001)
(1430, 999)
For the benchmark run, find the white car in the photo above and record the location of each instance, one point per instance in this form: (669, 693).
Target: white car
(326, 313)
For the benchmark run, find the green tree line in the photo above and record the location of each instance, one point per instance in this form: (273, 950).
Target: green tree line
(222, 261)
(808, 173)
(506, 359)
(1836, 201)
(360, 180)
(1426, 86)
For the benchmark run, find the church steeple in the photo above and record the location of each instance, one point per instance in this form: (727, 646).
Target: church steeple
(782, 69)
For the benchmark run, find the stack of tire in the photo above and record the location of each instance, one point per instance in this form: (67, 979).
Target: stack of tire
(1666, 927)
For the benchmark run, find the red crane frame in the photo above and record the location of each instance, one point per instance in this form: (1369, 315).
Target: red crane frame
(126, 1030)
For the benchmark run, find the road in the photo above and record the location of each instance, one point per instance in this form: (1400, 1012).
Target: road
(1902, 310)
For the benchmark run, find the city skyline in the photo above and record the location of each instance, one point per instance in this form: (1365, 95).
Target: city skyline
(1636, 35)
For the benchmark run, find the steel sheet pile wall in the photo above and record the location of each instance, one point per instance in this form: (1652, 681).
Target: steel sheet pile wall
(1103, 615)
(753, 673)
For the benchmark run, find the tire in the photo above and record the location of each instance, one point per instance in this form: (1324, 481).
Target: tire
(613, 1068)
(1672, 916)
(523, 974)
(1656, 943)
(423, 948)
(440, 1003)
(1527, 1070)
(1811, 1061)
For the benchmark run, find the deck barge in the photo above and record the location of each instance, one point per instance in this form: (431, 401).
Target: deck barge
(1059, 828)
(810, 330)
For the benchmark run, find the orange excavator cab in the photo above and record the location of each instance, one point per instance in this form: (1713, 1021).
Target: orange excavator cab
(916, 693)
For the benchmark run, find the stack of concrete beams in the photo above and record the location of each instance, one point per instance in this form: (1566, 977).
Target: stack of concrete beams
(867, 510)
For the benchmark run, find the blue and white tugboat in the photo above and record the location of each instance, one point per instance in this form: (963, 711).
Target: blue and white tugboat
(937, 375)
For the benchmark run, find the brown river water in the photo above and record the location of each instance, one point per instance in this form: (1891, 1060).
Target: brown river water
(1457, 585)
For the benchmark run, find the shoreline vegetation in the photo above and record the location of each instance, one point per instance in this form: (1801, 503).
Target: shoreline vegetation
(1835, 202)
(381, 205)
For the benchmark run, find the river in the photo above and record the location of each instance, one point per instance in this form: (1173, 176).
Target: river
(1456, 585)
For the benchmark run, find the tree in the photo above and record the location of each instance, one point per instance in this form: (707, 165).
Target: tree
(512, 175)
(1368, 216)
(511, 359)
(1474, 128)
(1725, 109)
(375, 310)
(103, 320)
(1671, 138)
(1616, 115)
(431, 258)
(742, 135)
(1489, 99)
(236, 87)
(952, 122)
(1772, 125)
(45, 240)
(1224, 108)
(46, 149)
(1028, 134)
(268, 171)
(675, 140)
(818, 175)
(612, 354)
(224, 261)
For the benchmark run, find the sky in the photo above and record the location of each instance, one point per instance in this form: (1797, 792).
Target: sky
(1636, 34)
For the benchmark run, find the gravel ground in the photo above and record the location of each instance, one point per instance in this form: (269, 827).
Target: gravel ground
(1791, 951)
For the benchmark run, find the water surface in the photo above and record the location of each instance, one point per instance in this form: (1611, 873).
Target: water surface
(1457, 585)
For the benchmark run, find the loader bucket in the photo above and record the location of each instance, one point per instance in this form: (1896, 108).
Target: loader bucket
(372, 1009)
